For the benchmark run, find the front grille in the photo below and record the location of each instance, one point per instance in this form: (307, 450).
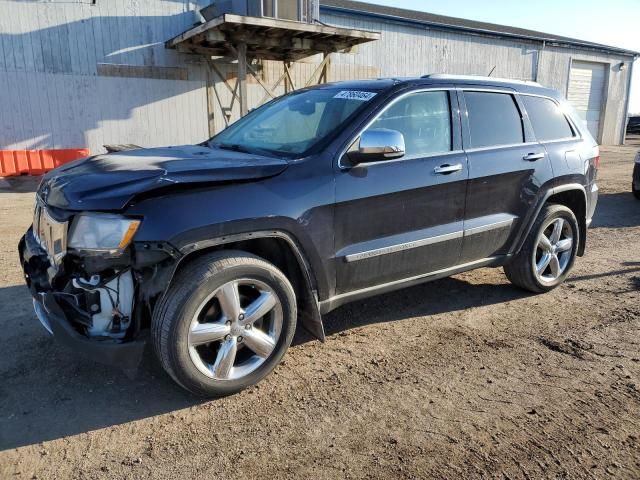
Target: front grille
(50, 234)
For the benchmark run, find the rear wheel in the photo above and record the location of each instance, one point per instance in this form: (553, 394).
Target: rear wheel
(549, 251)
(225, 323)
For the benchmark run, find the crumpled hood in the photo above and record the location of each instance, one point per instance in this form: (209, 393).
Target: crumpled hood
(110, 181)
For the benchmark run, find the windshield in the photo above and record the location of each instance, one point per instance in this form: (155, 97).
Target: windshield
(294, 124)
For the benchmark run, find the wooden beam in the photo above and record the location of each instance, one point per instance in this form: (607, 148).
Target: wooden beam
(290, 84)
(299, 27)
(196, 49)
(210, 25)
(222, 109)
(277, 84)
(222, 77)
(259, 80)
(324, 77)
(210, 101)
(318, 69)
(242, 78)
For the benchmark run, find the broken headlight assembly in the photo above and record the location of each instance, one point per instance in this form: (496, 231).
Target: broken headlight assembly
(104, 276)
(102, 232)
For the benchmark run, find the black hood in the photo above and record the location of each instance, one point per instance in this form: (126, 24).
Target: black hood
(109, 182)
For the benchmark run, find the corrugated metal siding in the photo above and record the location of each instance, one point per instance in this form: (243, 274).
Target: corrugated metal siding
(53, 97)
(407, 50)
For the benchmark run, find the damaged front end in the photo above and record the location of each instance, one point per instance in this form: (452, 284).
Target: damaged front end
(93, 287)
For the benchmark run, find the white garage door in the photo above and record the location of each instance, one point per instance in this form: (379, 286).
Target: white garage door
(586, 92)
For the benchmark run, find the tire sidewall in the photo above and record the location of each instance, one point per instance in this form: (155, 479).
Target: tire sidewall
(182, 365)
(551, 214)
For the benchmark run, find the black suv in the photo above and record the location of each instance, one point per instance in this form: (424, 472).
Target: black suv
(323, 196)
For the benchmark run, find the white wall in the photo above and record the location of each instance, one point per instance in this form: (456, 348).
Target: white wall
(52, 96)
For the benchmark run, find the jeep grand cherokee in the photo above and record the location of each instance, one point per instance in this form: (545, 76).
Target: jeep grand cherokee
(215, 252)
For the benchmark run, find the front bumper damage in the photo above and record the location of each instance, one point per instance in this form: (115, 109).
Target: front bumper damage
(123, 354)
(64, 311)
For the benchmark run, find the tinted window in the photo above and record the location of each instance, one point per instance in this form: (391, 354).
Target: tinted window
(424, 120)
(494, 119)
(549, 123)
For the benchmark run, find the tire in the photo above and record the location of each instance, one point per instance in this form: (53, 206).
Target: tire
(522, 271)
(636, 192)
(191, 311)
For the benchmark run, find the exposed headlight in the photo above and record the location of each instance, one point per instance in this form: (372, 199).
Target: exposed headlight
(97, 231)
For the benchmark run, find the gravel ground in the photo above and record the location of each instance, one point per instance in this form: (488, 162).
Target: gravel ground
(465, 377)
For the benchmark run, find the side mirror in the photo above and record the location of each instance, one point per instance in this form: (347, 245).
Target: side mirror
(378, 144)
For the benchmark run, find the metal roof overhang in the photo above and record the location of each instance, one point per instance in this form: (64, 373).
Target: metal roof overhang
(267, 38)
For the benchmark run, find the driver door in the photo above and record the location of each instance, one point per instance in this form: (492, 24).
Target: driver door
(402, 218)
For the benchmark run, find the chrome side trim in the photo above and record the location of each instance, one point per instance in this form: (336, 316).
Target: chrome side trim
(488, 227)
(500, 147)
(354, 257)
(494, 222)
(334, 302)
(562, 140)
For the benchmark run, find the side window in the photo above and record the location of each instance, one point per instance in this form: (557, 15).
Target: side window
(548, 121)
(494, 119)
(424, 118)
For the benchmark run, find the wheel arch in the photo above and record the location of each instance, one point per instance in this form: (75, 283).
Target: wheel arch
(571, 195)
(282, 250)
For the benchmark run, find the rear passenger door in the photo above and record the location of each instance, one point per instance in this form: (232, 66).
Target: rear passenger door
(506, 170)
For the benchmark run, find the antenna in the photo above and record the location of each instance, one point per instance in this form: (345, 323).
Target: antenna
(494, 67)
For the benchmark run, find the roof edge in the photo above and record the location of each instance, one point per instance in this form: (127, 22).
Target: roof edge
(542, 37)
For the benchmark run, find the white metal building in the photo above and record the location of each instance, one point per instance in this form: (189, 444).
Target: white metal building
(85, 73)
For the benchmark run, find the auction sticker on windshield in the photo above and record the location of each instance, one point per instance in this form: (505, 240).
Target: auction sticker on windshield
(355, 95)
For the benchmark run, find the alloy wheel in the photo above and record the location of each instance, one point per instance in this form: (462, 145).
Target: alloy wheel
(235, 329)
(553, 251)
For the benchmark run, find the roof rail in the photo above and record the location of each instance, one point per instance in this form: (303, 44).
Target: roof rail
(447, 76)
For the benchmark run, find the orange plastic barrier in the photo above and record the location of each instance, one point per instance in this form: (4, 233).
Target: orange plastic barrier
(36, 162)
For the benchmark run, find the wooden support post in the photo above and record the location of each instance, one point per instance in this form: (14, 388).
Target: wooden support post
(242, 78)
(273, 89)
(211, 94)
(317, 73)
(288, 83)
(324, 77)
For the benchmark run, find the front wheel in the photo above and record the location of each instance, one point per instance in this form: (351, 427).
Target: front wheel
(549, 251)
(225, 323)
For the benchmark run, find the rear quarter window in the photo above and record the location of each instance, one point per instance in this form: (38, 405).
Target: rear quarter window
(494, 119)
(548, 121)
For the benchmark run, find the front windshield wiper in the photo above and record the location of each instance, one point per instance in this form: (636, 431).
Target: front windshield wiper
(234, 147)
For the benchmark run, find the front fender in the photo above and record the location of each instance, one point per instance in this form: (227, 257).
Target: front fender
(195, 241)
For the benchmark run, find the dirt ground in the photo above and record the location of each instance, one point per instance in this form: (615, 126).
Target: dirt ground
(466, 377)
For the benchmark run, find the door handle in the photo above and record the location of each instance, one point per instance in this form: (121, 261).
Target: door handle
(446, 169)
(532, 157)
